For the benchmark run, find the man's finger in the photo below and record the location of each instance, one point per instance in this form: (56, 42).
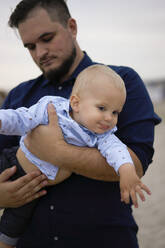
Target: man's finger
(6, 174)
(52, 114)
(35, 196)
(34, 187)
(28, 181)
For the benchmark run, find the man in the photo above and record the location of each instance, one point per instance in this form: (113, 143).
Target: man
(85, 210)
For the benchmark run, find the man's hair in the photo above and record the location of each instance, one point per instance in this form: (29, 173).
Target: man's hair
(90, 74)
(57, 10)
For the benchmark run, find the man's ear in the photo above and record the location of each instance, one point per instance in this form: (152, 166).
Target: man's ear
(74, 103)
(72, 27)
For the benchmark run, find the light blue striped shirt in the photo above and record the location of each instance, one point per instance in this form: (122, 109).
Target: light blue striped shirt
(23, 120)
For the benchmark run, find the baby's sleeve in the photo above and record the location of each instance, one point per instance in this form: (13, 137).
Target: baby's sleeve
(22, 120)
(115, 151)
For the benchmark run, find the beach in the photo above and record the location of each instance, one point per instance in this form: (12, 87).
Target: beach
(150, 216)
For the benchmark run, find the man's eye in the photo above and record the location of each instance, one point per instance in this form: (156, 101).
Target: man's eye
(47, 38)
(30, 47)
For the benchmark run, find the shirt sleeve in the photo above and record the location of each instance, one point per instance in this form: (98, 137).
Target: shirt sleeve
(115, 152)
(8, 141)
(137, 120)
(22, 120)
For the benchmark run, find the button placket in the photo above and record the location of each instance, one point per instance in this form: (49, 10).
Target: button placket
(55, 237)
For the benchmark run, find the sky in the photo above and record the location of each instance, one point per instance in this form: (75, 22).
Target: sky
(120, 32)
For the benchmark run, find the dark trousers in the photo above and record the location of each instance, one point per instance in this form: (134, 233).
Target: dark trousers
(14, 220)
(114, 237)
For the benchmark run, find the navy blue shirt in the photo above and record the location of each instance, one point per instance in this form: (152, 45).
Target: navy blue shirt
(80, 205)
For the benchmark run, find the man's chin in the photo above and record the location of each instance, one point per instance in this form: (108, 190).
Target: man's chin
(53, 74)
(47, 70)
(60, 70)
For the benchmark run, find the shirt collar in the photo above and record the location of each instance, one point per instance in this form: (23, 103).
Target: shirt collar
(85, 62)
(112, 131)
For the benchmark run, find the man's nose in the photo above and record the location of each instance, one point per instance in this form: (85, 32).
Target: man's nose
(41, 51)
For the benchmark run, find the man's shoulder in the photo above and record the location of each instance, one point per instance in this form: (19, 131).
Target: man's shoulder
(123, 70)
(130, 77)
(18, 95)
(27, 85)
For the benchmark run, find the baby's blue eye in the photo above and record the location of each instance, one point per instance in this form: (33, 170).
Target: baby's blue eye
(115, 112)
(101, 108)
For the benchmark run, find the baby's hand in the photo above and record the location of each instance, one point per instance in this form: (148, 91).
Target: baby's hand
(131, 185)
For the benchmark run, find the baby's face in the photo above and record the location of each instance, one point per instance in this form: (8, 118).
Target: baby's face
(99, 108)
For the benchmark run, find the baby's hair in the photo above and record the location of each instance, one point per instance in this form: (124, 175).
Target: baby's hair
(90, 74)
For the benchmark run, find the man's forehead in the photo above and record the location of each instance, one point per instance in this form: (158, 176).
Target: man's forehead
(37, 25)
(38, 16)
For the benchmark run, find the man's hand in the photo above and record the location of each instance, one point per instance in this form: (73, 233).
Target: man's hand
(45, 140)
(21, 191)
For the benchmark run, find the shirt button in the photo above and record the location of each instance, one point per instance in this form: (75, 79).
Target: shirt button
(55, 238)
(60, 87)
(51, 207)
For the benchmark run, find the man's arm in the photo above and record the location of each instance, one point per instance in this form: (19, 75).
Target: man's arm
(84, 161)
(21, 191)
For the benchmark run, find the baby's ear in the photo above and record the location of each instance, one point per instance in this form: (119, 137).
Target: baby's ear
(74, 103)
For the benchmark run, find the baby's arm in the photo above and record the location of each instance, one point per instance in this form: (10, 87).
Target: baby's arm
(17, 121)
(131, 185)
(117, 156)
(22, 120)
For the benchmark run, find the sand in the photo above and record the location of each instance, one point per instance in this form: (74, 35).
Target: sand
(150, 216)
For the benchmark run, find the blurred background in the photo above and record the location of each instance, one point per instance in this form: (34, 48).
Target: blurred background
(120, 32)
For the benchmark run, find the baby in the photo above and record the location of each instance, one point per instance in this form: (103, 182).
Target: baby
(88, 118)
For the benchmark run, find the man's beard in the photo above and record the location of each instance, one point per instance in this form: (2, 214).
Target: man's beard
(58, 73)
